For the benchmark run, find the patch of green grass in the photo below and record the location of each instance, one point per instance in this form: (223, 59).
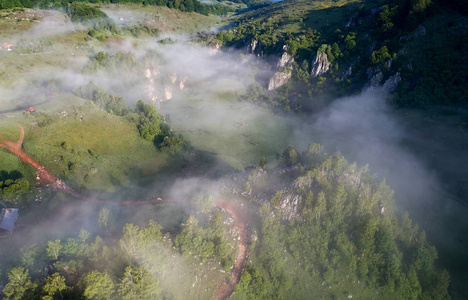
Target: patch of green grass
(9, 162)
(293, 16)
(162, 18)
(89, 148)
(246, 134)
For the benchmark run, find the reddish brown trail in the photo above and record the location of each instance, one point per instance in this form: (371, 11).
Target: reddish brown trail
(46, 177)
(225, 290)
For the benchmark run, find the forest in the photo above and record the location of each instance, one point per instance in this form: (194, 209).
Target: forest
(233, 150)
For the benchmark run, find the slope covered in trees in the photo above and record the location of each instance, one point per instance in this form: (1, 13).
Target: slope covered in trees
(328, 229)
(321, 226)
(413, 46)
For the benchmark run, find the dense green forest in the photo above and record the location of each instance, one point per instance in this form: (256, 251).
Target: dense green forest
(328, 229)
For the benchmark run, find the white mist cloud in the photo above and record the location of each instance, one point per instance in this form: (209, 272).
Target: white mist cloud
(54, 23)
(364, 128)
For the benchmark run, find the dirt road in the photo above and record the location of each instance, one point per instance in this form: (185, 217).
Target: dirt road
(45, 177)
(16, 148)
(225, 290)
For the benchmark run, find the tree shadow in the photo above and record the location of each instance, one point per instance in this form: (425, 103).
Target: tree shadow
(12, 175)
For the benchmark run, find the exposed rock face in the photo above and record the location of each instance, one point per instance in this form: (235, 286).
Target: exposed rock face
(289, 206)
(214, 50)
(285, 61)
(321, 65)
(255, 47)
(284, 71)
(421, 31)
(279, 79)
(173, 78)
(168, 93)
(392, 82)
(182, 82)
(375, 77)
(347, 73)
(162, 88)
(150, 75)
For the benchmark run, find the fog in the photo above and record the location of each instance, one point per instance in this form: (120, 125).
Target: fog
(197, 87)
(366, 129)
(55, 23)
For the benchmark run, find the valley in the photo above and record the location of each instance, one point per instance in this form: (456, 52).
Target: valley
(339, 154)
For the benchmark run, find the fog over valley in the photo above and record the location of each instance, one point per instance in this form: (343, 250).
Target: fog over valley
(233, 150)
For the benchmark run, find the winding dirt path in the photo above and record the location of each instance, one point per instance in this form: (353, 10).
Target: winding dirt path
(225, 290)
(16, 148)
(46, 177)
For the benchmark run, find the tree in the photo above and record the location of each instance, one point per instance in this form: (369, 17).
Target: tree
(55, 283)
(384, 19)
(100, 57)
(130, 239)
(53, 249)
(263, 162)
(350, 41)
(419, 6)
(190, 7)
(171, 144)
(84, 235)
(192, 240)
(137, 283)
(379, 56)
(32, 255)
(149, 123)
(103, 218)
(290, 156)
(204, 203)
(12, 190)
(19, 285)
(98, 286)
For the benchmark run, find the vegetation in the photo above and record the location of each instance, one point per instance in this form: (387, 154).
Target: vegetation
(115, 105)
(14, 188)
(391, 34)
(89, 15)
(331, 231)
(138, 267)
(80, 11)
(301, 244)
(319, 225)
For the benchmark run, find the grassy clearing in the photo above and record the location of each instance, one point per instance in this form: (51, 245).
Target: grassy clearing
(240, 134)
(294, 16)
(162, 18)
(87, 146)
(12, 22)
(9, 162)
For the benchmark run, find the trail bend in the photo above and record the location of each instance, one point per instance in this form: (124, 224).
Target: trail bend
(236, 211)
(46, 177)
(227, 289)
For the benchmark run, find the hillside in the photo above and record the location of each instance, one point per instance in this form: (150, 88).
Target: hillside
(342, 47)
(192, 155)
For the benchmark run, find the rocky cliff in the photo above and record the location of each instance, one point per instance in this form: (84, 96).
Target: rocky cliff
(321, 65)
(284, 72)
